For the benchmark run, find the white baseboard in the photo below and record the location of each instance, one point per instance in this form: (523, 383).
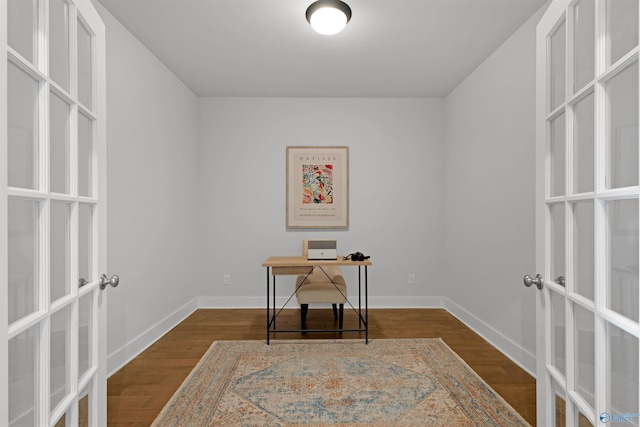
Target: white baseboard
(374, 302)
(513, 351)
(129, 351)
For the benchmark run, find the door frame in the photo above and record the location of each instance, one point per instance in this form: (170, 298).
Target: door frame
(4, 250)
(543, 385)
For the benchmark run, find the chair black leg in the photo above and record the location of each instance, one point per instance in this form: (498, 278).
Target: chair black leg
(303, 315)
(335, 312)
(341, 321)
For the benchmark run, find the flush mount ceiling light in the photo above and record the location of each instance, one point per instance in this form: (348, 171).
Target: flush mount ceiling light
(328, 16)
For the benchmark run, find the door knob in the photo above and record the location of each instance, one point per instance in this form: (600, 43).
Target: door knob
(104, 281)
(560, 281)
(538, 281)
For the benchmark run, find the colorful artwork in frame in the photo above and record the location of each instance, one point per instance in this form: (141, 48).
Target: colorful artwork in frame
(317, 187)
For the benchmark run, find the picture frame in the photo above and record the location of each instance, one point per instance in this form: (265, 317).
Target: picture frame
(317, 187)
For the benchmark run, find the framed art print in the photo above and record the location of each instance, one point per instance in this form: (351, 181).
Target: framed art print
(317, 187)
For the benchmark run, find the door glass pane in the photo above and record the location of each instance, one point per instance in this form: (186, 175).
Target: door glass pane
(60, 250)
(23, 258)
(557, 67)
(622, 27)
(59, 145)
(557, 242)
(583, 146)
(584, 350)
(59, 356)
(21, 22)
(622, 375)
(85, 156)
(557, 148)
(583, 249)
(62, 422)
(84, 334)
(623, 257)
(560, 404)
(23, 378)
(622, 147)
(558, 353)
(59, 42)
(583, 421)
(84, 406)
(23, 129)
(85, 69)
(85, 217)
(584, 38)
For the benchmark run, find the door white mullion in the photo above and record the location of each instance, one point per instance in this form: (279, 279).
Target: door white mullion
(582, 301)
(601, 360)
(73, 119)
(570, 322)
(602, 352)
(44, 357)
(72, 360)
(611, 71)
(544, 390)
(73, 150)
(637, 334)
(570, 356)
(616, 193)
(95, 393)
(582, 406)
(25, 65)
(25, 194)
(621, 322)
(44, 382)
(4, 226)
(73, 52)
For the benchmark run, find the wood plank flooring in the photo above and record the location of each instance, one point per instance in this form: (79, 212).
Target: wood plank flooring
(138, 391)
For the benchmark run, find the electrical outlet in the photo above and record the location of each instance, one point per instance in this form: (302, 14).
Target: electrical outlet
(412, 279)
(227, 279)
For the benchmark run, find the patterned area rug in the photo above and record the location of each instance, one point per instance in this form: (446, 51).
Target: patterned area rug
(412, 382)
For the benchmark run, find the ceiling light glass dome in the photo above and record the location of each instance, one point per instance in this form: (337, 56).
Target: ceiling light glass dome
(328, 16)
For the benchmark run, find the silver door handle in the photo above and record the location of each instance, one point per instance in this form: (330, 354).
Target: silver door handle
(104, 281)
(538, 281)
(560, 281)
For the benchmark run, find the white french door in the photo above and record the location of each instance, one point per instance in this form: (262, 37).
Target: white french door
(52, 214)
(587, 244)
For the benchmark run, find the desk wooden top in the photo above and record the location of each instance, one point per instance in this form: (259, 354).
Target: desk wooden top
(302, 261)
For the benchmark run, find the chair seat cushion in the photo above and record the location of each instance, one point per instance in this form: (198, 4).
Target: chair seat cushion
(321, 293)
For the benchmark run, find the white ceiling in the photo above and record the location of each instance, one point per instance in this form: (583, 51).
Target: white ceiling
(390, 48)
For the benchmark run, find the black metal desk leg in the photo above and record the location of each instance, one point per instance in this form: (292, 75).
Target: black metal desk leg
(366, 305)
(268, 311)
(359, 299)
(274, 303)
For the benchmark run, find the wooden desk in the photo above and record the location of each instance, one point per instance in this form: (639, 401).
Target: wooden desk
(300, 265)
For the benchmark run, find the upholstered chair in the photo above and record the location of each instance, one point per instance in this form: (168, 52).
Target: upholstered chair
(324, 285)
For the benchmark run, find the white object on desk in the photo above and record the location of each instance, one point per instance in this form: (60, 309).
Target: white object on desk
(322, 249)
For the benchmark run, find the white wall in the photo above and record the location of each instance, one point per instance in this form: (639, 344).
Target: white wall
(489, 196)
(152, 158)
(395, 202)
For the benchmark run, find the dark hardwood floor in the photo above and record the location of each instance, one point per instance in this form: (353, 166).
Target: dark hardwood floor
(138, 391)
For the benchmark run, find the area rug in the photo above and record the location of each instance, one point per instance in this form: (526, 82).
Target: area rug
(409, 382)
